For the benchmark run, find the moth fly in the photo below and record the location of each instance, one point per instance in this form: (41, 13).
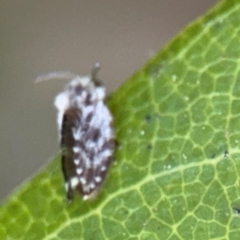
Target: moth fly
(85, 131)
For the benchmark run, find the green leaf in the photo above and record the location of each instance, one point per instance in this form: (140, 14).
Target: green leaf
(177, 168)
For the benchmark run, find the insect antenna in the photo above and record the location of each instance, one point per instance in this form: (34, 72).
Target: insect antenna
(60, 75)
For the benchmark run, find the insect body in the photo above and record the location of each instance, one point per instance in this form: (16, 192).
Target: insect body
(86, 134)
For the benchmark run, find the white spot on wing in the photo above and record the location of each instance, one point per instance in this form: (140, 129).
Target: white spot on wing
(103, 168)
(76, 134)
(76, 149)
(83, 180)
(74, 182)
(76, 161)
(79, 171)
(98, 179)
(106, 153)
(92, 185)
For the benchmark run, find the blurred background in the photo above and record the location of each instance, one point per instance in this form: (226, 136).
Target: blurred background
(42, 36)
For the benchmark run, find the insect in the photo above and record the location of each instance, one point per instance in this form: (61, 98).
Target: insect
(85, 131)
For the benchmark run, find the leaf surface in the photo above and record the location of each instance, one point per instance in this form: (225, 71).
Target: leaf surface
(177, 165)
